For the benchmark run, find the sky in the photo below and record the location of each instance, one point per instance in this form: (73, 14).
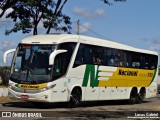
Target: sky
(135, 23)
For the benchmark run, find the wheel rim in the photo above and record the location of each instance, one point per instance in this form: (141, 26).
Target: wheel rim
(75, 98)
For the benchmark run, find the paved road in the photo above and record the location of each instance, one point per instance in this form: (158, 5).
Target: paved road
(103, 110)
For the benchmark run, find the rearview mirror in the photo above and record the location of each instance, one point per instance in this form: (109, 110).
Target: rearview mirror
(6, 53)
(53, 55)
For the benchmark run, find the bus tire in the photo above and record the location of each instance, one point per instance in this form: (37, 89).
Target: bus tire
(75, 98)
(141, 96)
(139, 99)
(133, 97)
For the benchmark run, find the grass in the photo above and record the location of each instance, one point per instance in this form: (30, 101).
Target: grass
(3, 86)
(7, 99)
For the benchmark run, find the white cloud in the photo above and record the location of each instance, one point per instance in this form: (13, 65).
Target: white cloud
(84, 28)
(155, 47)
(154, 40)
(85, 12)
(6, 45)
(100, 12)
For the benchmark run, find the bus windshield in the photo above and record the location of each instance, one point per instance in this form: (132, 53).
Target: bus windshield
(30, 64)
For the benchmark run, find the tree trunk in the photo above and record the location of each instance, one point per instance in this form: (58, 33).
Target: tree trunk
(2, 13)
(56, 14)
(48, 31)
(35, 31)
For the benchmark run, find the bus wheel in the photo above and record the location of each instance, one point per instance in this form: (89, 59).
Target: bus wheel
(133, 97)
(139, 99)
(141, 96)
(75, 98)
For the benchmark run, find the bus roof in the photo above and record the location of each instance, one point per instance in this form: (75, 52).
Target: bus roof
(60, 38)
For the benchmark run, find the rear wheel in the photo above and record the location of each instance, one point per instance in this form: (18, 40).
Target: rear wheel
(141, 96)
(133, 97)
(75, 98)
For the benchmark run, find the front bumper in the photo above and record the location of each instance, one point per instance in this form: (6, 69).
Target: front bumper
(44, 96)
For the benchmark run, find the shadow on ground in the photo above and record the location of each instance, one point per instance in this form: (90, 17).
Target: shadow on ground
(24, 104)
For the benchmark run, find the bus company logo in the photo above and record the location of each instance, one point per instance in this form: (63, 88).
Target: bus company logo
(29, 86)
(92, 74)
(128, 73)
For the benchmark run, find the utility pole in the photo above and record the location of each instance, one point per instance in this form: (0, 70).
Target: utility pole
(3, 50)
(78, 27)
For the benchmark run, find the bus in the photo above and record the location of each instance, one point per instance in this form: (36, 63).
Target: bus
(75, 68)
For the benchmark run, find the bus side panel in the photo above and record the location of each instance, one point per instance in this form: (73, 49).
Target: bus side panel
(152, 88)
(74, 78)
(59, 92)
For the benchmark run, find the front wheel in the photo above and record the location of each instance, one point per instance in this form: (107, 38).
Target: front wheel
(75, 98)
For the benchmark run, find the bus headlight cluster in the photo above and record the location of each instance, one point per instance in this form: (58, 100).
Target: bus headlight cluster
(47, 88)
(43, 89)
(10, 86)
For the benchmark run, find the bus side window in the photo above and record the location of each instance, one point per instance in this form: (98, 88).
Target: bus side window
(152, 66)
(87, 54)
(83, 55)
(136, 60)
(123, 59)
(109, 56)
(79, 57)
(97, 55)
(153, 62)
(129, 59)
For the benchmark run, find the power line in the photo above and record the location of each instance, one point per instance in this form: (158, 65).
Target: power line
(98, 34)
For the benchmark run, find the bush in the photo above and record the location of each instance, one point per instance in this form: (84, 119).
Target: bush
(5, 74)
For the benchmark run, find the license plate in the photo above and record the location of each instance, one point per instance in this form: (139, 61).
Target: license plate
(24, 96)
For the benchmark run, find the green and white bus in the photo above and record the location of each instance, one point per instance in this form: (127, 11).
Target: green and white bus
(75, 68)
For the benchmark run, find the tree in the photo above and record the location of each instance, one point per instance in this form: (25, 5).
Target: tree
(110, 3)
(27, 15)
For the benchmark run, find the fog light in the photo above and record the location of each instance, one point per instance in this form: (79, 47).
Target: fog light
(43, 89)
(47, 88)
(10, 86)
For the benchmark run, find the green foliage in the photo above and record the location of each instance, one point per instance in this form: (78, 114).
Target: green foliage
(5, 68)
(4, 75)
(27, 15)
(108, 2)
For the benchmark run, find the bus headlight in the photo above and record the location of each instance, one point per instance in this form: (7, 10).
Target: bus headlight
(43, 89)
(47, 88)
(10, 86)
